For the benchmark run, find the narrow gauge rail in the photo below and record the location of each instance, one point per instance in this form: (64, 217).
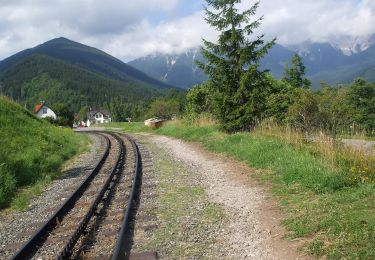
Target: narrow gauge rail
(66, 220)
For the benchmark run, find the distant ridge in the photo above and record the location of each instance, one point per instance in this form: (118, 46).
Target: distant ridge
(323, 61)
(178, 69)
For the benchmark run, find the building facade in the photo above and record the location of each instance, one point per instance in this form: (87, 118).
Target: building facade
(98, 117)
(42, 110)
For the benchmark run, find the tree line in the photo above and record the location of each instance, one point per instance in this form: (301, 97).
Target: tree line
(239, 95)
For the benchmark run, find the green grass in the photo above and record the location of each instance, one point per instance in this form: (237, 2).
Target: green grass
(130, 127)
(336, 218)
(32, 151)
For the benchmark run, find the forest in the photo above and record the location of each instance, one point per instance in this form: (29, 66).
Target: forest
(239, 96)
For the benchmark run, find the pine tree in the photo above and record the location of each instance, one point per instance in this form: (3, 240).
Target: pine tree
(238, 91)
(295, 75)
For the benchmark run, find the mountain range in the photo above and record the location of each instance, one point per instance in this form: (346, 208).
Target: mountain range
(64, 71)
(176, 69)
(334, 63)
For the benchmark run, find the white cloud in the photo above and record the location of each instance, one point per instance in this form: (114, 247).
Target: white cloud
(133, 28)
(167, 37)
(295, 21)
(32, 22)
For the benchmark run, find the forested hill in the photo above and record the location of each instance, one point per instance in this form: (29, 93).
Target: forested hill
(63, 71)
(86, 57)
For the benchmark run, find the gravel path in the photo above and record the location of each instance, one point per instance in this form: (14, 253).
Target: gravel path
(360, 144)
(253, 227)
(15, 225)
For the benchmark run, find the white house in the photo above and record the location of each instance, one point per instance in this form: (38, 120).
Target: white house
(42, 110)
(98, 117)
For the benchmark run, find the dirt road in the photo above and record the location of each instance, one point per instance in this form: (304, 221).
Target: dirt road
(251, 227)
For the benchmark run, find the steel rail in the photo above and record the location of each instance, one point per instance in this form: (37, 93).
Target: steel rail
(119, 251)
(39, 236)
(68, 249)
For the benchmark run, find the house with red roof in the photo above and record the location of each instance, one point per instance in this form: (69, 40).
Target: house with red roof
(42, 110)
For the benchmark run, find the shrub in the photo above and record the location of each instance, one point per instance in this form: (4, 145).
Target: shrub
(7, 186)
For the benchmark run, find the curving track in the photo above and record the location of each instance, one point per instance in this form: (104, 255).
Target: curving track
(95, 222)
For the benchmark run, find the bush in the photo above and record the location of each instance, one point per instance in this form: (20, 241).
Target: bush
(7, 186)
(163, 108)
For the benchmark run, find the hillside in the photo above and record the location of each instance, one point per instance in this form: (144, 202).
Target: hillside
(85, 57)
(323, 61)
(63, 71)
(31, 150)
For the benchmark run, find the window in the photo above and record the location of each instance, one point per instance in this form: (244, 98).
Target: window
(44, 110)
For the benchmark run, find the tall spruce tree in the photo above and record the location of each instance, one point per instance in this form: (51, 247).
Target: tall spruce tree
(238, 92)
(295, 74)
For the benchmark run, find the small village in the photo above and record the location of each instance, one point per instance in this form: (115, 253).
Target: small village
(94, 116)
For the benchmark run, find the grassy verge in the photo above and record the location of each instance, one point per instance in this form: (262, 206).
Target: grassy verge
(189, 223)
(333, 212)
(32, 153)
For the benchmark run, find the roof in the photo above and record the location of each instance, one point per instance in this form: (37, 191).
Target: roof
(39, 106)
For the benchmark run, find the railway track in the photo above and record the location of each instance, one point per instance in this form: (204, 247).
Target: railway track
(96, 220)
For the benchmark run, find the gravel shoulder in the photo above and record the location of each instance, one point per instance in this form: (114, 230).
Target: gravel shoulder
(364, 145)
(250, 227)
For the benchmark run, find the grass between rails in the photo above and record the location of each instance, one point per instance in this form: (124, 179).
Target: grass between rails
(324, 205)
(32, 153)
(188, 222)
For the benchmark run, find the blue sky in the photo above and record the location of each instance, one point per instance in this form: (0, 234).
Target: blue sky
(130, 29)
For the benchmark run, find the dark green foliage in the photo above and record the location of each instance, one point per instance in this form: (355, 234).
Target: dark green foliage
(335, 113)
(295, 74)
(164, 108)
(31, 149)
(82, 114)
(361, 97)
(344, 109)
(198, 99)
(303, 112)
(289, 99)
(279, 100)
(347, 109)
(120, 111)
(7, 185)
(65, 116)
(238, 94)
